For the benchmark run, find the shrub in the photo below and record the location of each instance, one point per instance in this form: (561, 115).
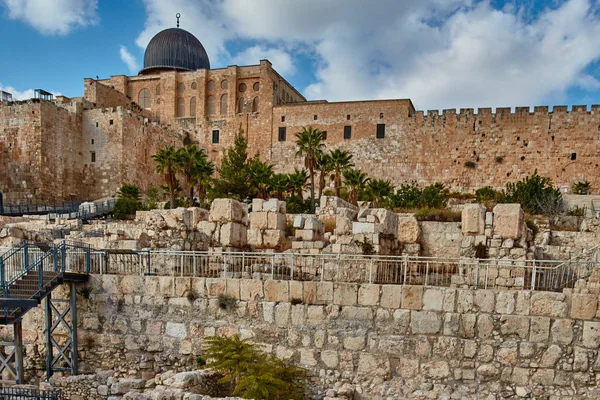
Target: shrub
(582, 187)
(200, 362)
(297, 205)
(577, 211)
(367, 247)
(227, 302)
(411, 196)
(487, 193)
(481, 251)
(443, 215)
(85, 292)
(535, 194)
(470, 164)
(128, 191)
(434, 196)
(125, 208)
(253, 374)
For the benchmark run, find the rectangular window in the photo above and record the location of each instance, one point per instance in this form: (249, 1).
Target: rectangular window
(380, 131)
(110, 122)
(348, 117)
(347, 132)
(93, 156)
(96, 124)
(282, 134)
(92, 141)
(315, 117)
(215, 137)
(324, 135)
(283, 118)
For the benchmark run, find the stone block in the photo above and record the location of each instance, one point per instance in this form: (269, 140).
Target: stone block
(324, 293)
(276, 221)
(425, 322)
(176, 330)
(314, 224)
(407, 367)
(275, 239)
(368, 295)
(473, 219)
(274, 205)
(372, 365)
(198, 214)
(345, 294)
(484, 300)
(250, 289)
(233, 234)
(515, 325)
(548, 304)
(591, 335)
(409, 230)
(509, 221)
(412, 297)
(343, 225)
(308, 235)
(257, 205)
(388, 221)
(354, 343)
(259, 220)
(277, 290)
(584, 306)
(433, 299)
(226, 210)
(562, 331)
(255, 237)
(540, 329)
(282, 314)
(299, 223)
(296, 290)
(207, 228)
(505, 302)
(362, 227)
(436, 369)
(391, 296)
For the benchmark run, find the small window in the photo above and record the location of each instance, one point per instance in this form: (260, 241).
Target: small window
(256, 86)
(158, 90)
(210, 85)
(380, 131)
(93, 156)
(92, 141)
(315, 117)
(193, 85)
(215, 137)
(324, 135)
(282, 134)
(347, 132)
(110, 122)
(573, 156)
(242, 87)
(380, 115)
(96, 124)
(224, 84)
(283, 118)
(348, 117)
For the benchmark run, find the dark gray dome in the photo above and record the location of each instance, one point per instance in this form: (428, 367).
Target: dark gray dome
(174, 49)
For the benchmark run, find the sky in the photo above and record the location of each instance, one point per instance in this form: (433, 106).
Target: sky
(439, 53)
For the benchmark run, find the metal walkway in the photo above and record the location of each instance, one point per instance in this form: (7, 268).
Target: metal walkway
(28, 275)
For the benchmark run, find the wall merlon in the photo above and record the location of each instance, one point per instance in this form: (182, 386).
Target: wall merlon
(540, 110)
(449, 112)
(522, 110)
(579, 108)
(559, 109)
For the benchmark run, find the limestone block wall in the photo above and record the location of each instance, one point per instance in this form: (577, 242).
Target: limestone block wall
(398, 339)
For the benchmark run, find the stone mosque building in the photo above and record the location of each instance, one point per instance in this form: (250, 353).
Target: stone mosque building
(86, 148)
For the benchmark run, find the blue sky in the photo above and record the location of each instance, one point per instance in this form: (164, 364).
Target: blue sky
(439, 53)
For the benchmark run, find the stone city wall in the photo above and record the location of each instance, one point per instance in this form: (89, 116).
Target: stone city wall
(381, 339)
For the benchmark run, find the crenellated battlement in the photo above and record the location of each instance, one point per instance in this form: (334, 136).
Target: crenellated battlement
(507, 111)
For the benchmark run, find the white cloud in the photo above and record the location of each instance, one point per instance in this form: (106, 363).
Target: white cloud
(439, 53)
(281, 60)
(53, 17)
(21, 95)
(129, 59)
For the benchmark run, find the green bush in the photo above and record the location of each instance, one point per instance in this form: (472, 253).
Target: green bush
(487, 193)
(411, 196)
(582, 187)
(252, 373)
(535, 194)
(126, 208)
(297, 205)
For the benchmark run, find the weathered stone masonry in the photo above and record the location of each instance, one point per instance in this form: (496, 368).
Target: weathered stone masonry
(469, 341)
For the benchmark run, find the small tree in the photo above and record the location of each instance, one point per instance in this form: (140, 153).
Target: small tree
(379, 191)
(128, 202)
(279, 184)
(260, 176)
(582, 187)
(324, 167)
(340, 161)
(534, 193)
(355, 181)
(310, 146)
(167, 163)
(297, 181)
(234, 174)
(189, 158)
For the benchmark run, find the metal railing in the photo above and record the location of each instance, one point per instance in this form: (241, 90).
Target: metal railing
(15, 393)
(62, 207)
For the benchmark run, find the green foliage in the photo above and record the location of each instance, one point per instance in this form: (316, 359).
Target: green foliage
(487, 194)
(297, 205)
(470, 164)
(226, 302)
(296, 181)
(577, 211)
(235, 172)
(279, 184)
(152, 198)
(260, 177)
(167, 163)
(196, 168)
(310, 145)
(200, 362)
(582, 187)
(130, 192)
(535, 194)
(367, 247)
(410, 196)
(379, 191)
(125, 208)
(439, 215)
(355, 181)
(253, 374)
(339, 161)
(85, 292)
(481, 250)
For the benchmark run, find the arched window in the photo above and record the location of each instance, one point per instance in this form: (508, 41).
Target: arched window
(210, 85)
(144, 98)
(158, 90)
(224, 84)
(193, 85)
(240, 105)
(181, 88)
(180, 107)
(223, 104)
(210, 105)
(256, 86)
(255, 105)
(193, 107)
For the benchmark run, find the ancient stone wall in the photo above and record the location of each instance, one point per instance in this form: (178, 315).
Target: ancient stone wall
(384, 339)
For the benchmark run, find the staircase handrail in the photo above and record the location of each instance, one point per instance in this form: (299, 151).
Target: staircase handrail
(577, 257)
(38, 263)
(14, 250)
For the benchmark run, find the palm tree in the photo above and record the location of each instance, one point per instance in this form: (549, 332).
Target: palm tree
(340, 161)
(355, 180)
(130, 192)
(203, 172)
(310, 145)
(379, 190)
(260, 175)
(279, 184)
(297, 181)
(188, 159)
(324, 167)
(167, 163)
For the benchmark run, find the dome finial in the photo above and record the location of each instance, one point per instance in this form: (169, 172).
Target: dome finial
(178, 16)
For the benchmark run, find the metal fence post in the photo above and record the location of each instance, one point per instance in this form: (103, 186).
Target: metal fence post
(292, 269)
(533, 275)
(476, 273)
(3, 279)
